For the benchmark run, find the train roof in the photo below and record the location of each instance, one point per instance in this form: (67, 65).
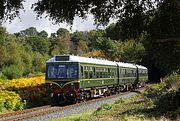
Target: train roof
(141, 67)
(72, 58)
(121, 64)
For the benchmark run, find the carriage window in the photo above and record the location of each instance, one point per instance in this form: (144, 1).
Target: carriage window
(113, 72)
(134, 72)
(122, 71)
(62, 73)
(86, 72)
(90, 72)
(72, 71)
(98, 71)
(52, 70)
(106, 73)
(109, 75)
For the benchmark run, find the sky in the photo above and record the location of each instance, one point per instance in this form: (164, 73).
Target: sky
(28, 19)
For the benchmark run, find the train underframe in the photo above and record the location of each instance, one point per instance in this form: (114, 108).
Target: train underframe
(84, 94)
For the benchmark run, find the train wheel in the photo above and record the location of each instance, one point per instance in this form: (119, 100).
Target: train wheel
(83, 99)
(75, 101)
(105, 94)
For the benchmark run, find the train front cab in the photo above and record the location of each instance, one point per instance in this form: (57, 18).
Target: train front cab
(62, 81)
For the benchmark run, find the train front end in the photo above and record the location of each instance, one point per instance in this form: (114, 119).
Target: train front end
(62, 77)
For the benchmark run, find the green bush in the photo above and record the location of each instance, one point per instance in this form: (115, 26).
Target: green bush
(12, 71)
(154, 91)
(165, 96)
(169, 101)
(169, 98)
(172, 81)
(2, 76)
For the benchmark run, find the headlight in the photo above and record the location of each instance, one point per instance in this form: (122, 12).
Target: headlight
(51, 94)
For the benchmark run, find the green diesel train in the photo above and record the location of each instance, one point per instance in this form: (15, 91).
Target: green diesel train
(72, 78)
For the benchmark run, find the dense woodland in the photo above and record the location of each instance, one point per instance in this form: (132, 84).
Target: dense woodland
(25, 53)
(146, 33)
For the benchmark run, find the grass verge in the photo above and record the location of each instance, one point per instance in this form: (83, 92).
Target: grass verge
(159, 102)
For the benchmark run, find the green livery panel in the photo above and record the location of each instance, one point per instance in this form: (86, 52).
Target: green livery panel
(92, 75)
(85, 75)
(86, 83)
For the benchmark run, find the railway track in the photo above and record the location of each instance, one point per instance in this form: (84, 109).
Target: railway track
(19, 115)
(48, 109)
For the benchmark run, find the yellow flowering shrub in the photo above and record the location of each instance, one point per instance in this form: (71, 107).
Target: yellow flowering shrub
(10, 100)
(20, 93)
(1, 85)
(26, 82)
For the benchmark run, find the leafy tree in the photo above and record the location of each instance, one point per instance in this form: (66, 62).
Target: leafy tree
(62, 32)
(3, 52)
(26, 61)
(108, 47)
(10, 49)
(60, 42)
(62, 45)
(163, 31)
(65, 11)
(9, 9)
(12, 52)
(22, 55)
(39, 62)
(53, 34)
(113, 32)
(43, 34)
(131, 51)
(76, 37)
(92, 36)
(82, 47)
(52, 45)
(31, 31)
(38, 44)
